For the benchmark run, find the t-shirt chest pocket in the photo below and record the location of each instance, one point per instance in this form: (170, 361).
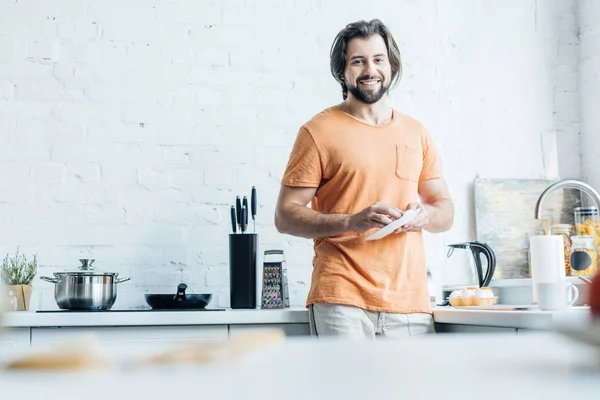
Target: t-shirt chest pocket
(409, 162)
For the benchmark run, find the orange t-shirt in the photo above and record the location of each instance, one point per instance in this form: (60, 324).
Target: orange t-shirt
(353, 165)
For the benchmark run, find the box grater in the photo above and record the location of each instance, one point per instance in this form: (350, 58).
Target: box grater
(275, 291)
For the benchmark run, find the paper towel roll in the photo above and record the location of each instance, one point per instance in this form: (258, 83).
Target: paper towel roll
(547, 258)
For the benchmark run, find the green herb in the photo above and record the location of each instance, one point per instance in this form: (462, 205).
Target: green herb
(17, 270)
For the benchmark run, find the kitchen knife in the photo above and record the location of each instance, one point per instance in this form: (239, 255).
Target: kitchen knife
(238, 209)
(244, 218)
(253, 205)
(245, 204)
(233, 219)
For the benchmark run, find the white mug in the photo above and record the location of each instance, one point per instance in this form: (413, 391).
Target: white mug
(556, 296)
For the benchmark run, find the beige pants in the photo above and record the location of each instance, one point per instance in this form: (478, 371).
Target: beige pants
(353, 322)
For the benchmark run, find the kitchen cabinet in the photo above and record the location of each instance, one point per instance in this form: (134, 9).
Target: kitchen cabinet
(289, 329)
(138, 336)
(131, 336)
(14, 339)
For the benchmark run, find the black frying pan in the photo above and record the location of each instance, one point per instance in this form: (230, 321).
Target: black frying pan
(179, 300)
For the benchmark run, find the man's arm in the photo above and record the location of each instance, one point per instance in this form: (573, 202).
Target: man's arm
(439, 215)
(293, 217)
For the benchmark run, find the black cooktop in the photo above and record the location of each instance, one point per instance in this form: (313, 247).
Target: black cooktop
(132, 310)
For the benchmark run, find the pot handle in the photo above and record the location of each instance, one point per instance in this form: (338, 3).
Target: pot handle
(51, 280)
(121, 280)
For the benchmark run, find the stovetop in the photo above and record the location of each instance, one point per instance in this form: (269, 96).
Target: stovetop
(132, 310)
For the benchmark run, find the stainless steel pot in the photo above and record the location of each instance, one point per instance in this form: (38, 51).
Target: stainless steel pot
(85, 290)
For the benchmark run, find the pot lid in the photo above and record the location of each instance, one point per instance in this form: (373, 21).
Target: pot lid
(86, 273)
(86, 269)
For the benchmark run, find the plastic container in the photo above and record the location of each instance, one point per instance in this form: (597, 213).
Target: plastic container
(584, 256)
(566, 231)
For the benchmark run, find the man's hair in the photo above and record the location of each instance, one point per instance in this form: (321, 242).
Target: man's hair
(364, 30)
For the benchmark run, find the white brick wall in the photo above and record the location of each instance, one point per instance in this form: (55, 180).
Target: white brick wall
(128, 127)
(589, 83)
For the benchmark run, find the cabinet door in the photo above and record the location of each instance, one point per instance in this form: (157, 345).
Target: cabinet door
(142, 337)
(14, 339)
(289, 329)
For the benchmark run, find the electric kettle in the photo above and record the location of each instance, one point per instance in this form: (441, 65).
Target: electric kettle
(474, 252)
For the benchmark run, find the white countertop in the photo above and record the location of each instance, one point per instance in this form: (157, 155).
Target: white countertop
(155, 318)
(528, 319)
(540, 365)
(523, 319)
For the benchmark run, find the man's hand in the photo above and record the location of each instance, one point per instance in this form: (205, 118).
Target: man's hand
(377, 215)
(419, 223)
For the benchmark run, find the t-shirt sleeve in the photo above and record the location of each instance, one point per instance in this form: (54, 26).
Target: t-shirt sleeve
(304, 164)
(431, 159)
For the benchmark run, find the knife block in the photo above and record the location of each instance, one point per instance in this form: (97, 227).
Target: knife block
(243, 248)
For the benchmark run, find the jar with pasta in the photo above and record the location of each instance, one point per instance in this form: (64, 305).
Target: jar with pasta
(584, 256)
(586, 221)
(587, 224)
(565, 231)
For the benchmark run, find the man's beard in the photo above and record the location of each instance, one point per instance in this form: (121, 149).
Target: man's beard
(368, 96)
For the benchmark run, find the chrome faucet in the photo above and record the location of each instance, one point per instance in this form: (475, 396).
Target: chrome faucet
(569, 184)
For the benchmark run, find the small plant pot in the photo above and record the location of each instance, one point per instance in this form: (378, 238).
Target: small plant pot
(23, 296)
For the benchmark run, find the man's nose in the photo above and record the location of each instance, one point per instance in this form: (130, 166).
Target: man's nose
(370, 68)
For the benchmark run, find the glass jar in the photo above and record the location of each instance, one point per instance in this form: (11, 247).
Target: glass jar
(566, 231)
(586, 221)
(584, 256)
(587, 224)
(12, 303)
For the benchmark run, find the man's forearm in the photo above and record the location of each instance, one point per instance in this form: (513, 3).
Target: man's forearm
(305, 222)
(441, 215)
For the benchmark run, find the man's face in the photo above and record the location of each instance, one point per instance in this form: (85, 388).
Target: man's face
(368, 71)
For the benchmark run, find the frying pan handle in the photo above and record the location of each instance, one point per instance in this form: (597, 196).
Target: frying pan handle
(180, 296)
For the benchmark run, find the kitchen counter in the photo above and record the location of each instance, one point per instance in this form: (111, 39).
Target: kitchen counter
(154, 318)
(525, 319)
(519, 319)
(540, 365)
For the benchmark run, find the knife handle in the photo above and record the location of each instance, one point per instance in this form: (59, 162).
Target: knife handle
(233, 219)
(238, 209)
(245, 204)
(244, 218)
(253, 202)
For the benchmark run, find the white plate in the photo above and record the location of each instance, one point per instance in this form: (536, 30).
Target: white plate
(408, 216)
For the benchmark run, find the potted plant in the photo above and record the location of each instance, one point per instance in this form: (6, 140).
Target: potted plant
(17, 274)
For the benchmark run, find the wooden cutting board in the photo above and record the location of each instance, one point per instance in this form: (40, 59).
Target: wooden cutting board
(500, 308)
(504, 210)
